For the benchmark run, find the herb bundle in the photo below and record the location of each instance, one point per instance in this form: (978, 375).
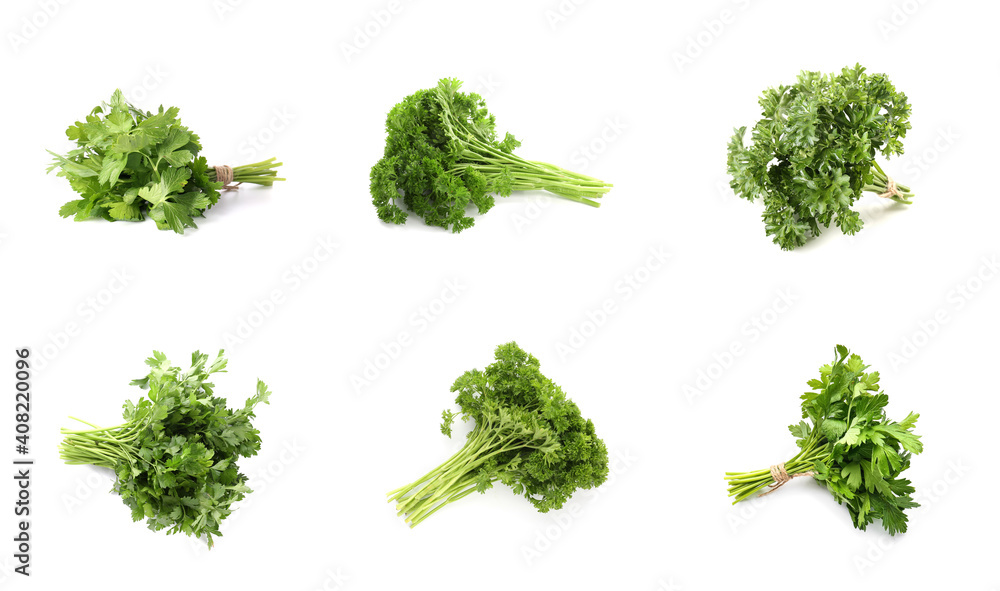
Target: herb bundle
(813, 152)
(175, 455)
(442, 155)
(131, 164)
(527, 435)
(849, 444)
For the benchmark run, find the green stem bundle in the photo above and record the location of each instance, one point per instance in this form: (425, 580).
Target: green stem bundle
(130, 165)
(454, 479)
(743, 485)
(443, 157)
(527, 435)
(175, 455)
(849, 445)
(264, 173)
(883, 185)
(104, 447)
(528, 175)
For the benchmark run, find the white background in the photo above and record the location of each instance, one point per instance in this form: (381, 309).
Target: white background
(601, 89)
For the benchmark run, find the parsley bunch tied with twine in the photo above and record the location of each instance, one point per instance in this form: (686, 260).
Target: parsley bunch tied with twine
(131, 164)
(849, 444)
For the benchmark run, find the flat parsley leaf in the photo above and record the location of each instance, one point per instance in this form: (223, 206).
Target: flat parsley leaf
(175, 456)
(131, 164)
(851, 446)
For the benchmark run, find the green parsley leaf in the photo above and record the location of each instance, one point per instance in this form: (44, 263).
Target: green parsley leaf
(813, 152)
(527, 435)
(442, 157)
(175, 455)
(144, 163)
(851, 447)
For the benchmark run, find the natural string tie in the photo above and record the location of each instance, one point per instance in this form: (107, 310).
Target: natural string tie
(780, 477)
(224, 175)
(891, 190)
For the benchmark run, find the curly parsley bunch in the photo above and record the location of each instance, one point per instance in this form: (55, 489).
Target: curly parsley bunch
(175, 455)
(850, 445)
(813, 152)
(527, 435)
(131, 164)
(442, 155)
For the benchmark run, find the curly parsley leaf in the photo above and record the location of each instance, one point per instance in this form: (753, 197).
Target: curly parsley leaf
(527, 435)
(442, 158)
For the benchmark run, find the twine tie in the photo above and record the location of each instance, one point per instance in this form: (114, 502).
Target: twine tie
(891, 190)
(780, 477)
(224, 175)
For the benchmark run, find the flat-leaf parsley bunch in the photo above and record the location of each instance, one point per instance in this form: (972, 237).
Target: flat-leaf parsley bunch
(175, 455)
(131, 164)
(849, 445)
(813, 152)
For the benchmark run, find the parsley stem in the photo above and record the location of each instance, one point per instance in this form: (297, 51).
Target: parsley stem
(745, 484)
(263, 173)
(456, 477)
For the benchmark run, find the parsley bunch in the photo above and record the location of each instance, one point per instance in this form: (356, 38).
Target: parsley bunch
(175, 455)
(442, 155)
(131, 164)
(527, 435)
(813, 152)
(850, 445)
